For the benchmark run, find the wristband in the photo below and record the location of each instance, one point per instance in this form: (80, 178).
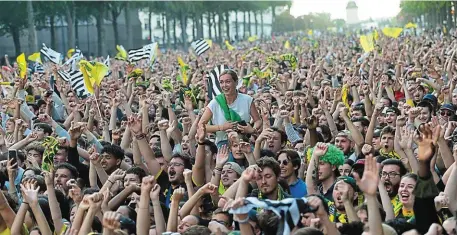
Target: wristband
(140, 136)
(201, 143)
(110, 181)
(242, 221)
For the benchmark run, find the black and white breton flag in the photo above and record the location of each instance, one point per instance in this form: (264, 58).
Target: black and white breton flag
(145, 52)
(200, 46)
(38, 68)
(75, 58)
(108, 64)
(288, 210)
(76, 80)
(50, 54)
(212, 79)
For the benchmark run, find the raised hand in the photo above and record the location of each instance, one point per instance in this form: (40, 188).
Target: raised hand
(178, 194)
(367, 149)
(134, 123)
(208, 188)
(311, 122)
(266, 134)
(187, 175)
(201, 133)
(245, 147)
(441, 201)
(48, 178)
(76, 130)
(95, 158)
(155, 193)
(111, 220)
(370, 179)
(147, 184)
(95, 200)
(45, 118)
(222, 156)
(30, 193)
(118, 174)
(426, 140)
(251, 173)
(320, 149)
(75, 191)
(343, 188)
(163, 125)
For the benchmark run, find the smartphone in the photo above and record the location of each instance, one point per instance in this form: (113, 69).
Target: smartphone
(12, 155)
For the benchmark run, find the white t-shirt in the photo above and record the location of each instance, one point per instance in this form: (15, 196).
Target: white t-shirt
(242, 106)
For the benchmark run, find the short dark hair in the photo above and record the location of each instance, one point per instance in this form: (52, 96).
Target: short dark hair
(197, 230)
(308, 231)
(212, 146)
(387, 130)
(397, 162)
(400, 225)
(267, 153)
(35, 146)
(283, 134)
(293, 156)
(47, 129)
(270, 163)
(114, 150)
(355, 227)
(427, 104)
(220, 211)
(268, 222)
(359, 107)
(137, 171)
(185, 159)
(68, 166)
(363, 120)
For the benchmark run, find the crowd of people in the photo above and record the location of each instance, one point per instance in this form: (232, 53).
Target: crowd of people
(342, 142)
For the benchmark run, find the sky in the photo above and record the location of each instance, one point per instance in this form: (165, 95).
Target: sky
(337, 8)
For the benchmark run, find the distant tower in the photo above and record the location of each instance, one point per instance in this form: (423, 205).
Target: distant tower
(352, 13)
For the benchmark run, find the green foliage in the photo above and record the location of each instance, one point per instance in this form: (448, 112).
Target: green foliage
(13, 15)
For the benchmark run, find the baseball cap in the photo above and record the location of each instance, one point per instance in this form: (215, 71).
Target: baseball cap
(348, 180)
(234, 166)
(359, 164)
(449, 107)
(346, 134)
(377, 133)
(431, 98)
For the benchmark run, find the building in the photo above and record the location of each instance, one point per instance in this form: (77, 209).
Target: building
(352, 13)
(157, 25)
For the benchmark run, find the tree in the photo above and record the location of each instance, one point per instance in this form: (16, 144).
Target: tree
(33, 44)
(12, 24)
(115, 8)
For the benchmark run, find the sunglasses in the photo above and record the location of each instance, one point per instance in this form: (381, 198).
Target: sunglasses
(284, 162)
(445, 113)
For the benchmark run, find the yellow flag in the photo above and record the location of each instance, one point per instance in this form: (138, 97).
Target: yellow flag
(22, 64)
(210, 42)
(252, 38)
(183, 67)
(121, 53)
(366, 41)
(70, 52)
(35, 57)
(392, 32)
(375, 35)
(287, 44)
(229, 47)
(93, 73)
(410, 25)
(310, 32)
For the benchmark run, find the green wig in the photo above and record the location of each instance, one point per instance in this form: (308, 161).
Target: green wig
(334, 155)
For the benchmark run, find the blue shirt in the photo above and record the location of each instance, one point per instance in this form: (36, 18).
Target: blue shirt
(298, 189)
